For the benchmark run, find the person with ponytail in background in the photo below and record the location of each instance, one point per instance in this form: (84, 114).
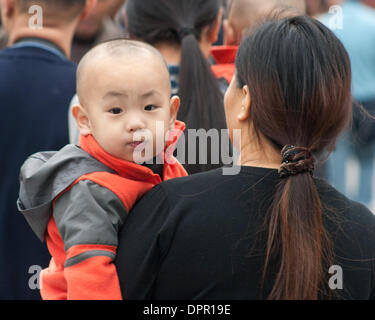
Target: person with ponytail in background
(273, 231)
(184, 31)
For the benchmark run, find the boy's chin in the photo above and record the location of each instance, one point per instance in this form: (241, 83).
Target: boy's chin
(148, 156)
(142, 158)
(150, 159)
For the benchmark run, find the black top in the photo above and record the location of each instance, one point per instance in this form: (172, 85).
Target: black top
(191, 238)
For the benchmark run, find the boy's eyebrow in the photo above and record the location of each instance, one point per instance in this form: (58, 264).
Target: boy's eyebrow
(150, 93)
(115, 94)
(120, 94)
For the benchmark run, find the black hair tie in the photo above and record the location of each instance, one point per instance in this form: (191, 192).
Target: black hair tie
(295, 160)
(185, 31)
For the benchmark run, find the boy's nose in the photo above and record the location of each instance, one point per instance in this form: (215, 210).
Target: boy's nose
(134, 123)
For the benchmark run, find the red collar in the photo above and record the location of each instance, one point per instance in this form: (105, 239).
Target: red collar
(224, 54)
(129, 169)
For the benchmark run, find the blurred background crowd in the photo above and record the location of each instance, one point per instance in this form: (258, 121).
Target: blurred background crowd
(36, 88)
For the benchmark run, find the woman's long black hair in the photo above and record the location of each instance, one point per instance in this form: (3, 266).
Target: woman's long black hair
(299, 78)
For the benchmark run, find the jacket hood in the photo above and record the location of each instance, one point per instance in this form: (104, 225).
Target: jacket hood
(45, 175)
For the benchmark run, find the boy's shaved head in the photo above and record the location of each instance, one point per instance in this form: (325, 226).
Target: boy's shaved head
(124, 91)
(123, 49)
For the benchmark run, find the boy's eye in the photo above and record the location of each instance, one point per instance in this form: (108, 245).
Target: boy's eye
(150, 107)
(115, 110)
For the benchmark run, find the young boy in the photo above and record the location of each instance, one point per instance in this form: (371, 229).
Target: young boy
(77, 199)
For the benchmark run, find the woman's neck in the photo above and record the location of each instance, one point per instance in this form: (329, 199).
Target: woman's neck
(170, 52)
(260, 155)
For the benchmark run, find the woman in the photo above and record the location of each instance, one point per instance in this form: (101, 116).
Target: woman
(272, 231)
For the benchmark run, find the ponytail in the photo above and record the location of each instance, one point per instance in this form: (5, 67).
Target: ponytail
(296, 232)
(202, 100)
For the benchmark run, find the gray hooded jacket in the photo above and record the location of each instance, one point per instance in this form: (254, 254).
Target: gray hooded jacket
(45, 175)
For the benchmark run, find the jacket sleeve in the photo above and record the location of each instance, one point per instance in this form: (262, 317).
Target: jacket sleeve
(88, 217)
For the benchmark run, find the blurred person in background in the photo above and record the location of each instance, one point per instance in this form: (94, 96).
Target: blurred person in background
(316, 7)
(98, 27)
(245, 15)
(241, 17)
(37, 82)
(354, 24)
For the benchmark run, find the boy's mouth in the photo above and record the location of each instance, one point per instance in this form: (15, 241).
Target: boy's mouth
(135, 144)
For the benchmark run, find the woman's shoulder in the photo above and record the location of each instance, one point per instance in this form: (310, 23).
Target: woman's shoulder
(194, 179)
(193, 185)
(333, 198)
(183, 186)
(353, 218)
(226, 179)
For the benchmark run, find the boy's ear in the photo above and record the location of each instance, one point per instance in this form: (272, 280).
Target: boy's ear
(83, 122)
(174, 106)
(245, 104)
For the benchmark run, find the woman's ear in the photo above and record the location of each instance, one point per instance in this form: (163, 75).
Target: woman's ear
(213, 32)
(83, 122)
(174, 106)
(245, 104)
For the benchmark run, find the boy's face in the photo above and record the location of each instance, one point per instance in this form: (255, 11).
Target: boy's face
(128, 106)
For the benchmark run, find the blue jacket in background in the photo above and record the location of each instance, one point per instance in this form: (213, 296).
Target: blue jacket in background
(36, 86)
(357, 33)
